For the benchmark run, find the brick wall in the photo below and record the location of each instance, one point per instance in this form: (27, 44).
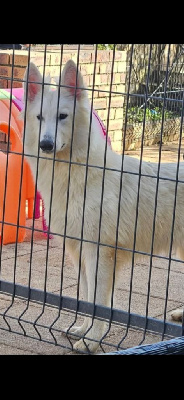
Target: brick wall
(86, 60)
(20, 63)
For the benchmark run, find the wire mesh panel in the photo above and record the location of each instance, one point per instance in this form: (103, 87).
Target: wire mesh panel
(93, 258)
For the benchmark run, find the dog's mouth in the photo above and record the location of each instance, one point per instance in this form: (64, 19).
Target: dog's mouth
(48, 151)
(51, 151)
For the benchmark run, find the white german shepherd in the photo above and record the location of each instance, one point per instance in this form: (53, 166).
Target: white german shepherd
(71, 117)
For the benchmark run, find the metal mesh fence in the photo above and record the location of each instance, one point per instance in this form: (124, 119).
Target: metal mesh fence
(117, 219)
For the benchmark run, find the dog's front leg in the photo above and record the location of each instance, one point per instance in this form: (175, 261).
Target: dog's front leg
(99, 282)
(80, 330)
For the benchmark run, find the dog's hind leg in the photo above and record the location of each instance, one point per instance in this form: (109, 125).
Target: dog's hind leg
(99, 292)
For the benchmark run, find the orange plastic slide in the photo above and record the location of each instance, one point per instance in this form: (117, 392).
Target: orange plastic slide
(13, 164)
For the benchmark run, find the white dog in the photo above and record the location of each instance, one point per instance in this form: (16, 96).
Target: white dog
(66, 126)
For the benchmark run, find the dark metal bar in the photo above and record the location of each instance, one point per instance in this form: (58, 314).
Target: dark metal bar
(32, 228)
(6, 173)
(174, 213)
(53, 165)
(86, 308)
(114, 266)
(138, 192)
(84, 198)
(99, 167)
(51, 194)
(101, 203)
(137, 95)
(156, 197)
(102, 244)
(19, 203)
(36, 178)
(120, 189)
(7, 160)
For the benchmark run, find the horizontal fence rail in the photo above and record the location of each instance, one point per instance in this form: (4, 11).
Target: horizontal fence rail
(85, 308)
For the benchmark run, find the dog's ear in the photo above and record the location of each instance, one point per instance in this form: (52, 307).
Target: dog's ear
(72, 78)
(34, 78)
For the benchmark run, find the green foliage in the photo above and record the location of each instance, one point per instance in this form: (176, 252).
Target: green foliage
(136, 114)
(104, 47)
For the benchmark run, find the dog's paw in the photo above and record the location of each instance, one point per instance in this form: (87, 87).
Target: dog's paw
(75, 332)
(177, 315)
(86, 346)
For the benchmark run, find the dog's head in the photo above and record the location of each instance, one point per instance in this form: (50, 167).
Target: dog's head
(51, 117)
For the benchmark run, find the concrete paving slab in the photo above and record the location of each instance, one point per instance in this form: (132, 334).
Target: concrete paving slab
(24, 248)
(158, 281)
(139, 303)
(177, 266)
(38, 270)
(126, 338)
(11, 343)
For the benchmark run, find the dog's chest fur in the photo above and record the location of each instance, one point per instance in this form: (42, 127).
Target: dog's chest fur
(63, 193)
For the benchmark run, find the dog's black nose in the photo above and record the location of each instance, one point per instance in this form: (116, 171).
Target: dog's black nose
(47, 145)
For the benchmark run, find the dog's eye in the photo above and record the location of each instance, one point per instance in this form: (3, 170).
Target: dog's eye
(63, 116)
(39, 117)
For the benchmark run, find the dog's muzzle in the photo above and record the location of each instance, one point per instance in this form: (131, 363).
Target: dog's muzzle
(47, 146)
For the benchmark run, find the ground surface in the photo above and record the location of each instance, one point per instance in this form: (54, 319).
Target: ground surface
(12, 309)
